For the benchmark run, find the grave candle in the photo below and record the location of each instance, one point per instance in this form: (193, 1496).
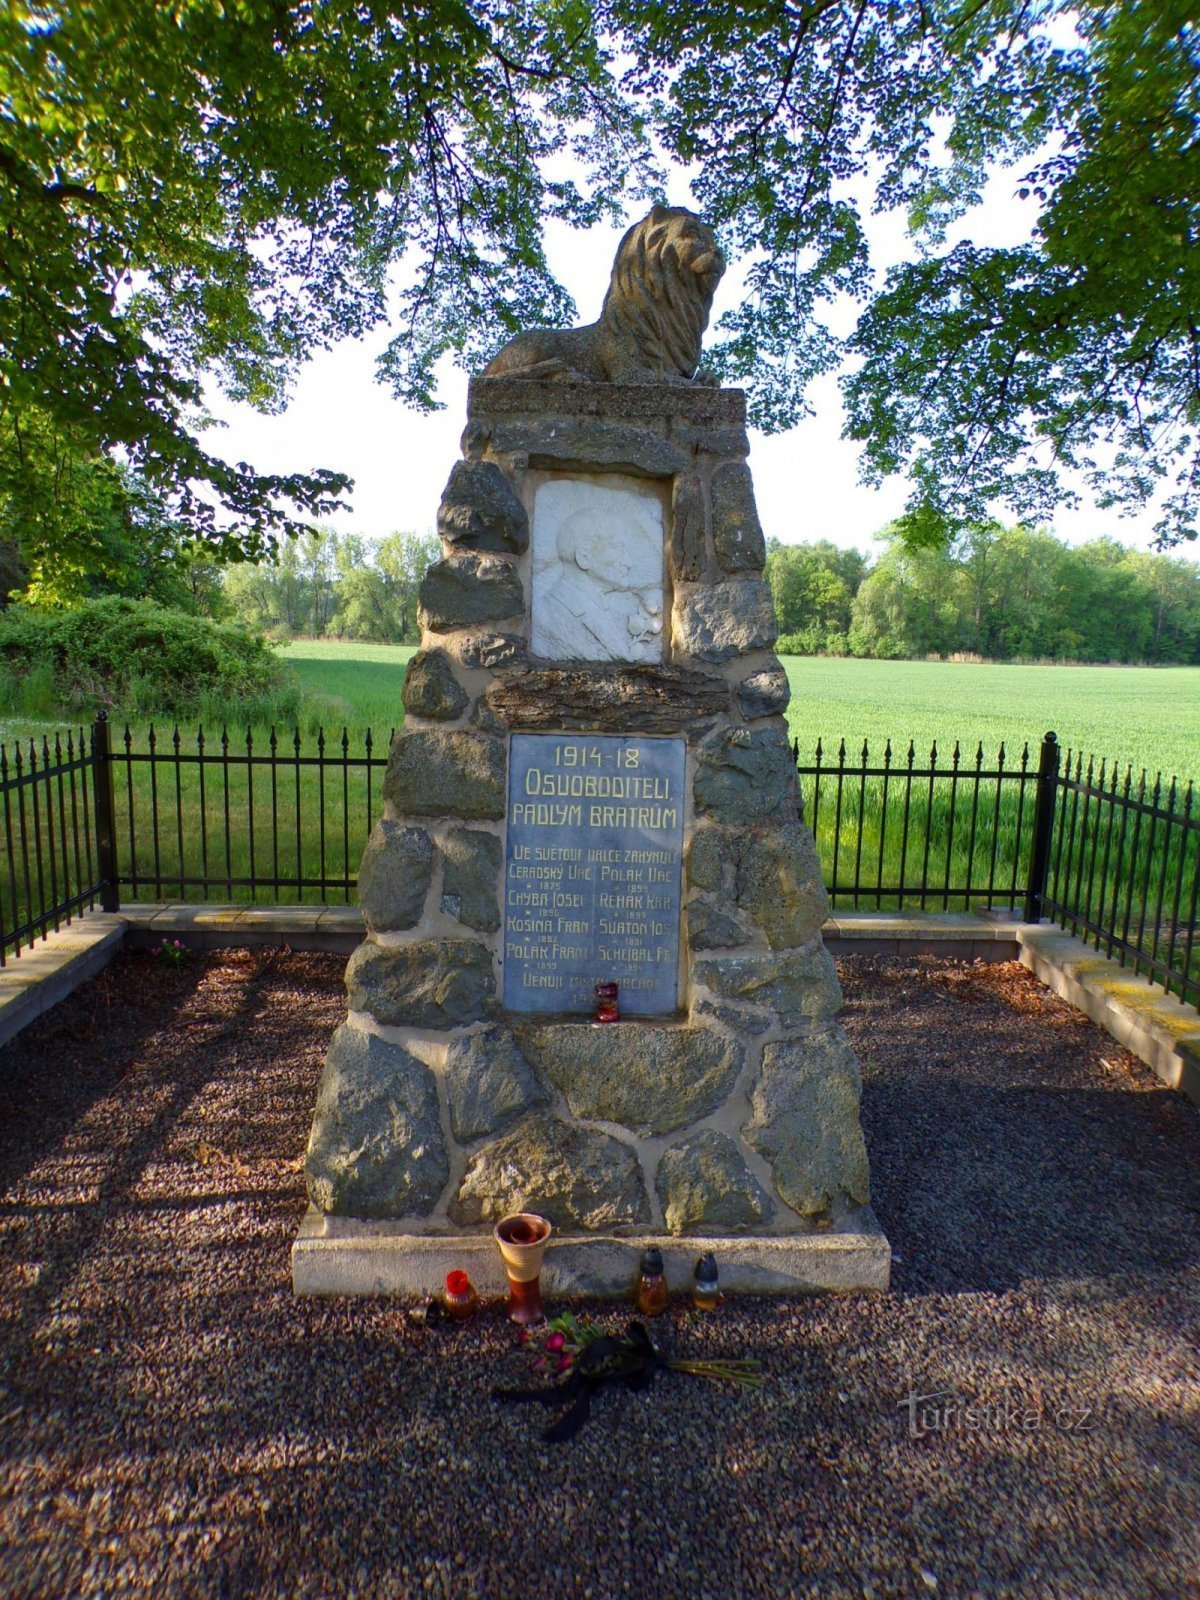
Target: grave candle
(606, 1003)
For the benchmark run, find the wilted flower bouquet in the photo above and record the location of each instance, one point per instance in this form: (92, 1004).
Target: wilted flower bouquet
(584, 1357)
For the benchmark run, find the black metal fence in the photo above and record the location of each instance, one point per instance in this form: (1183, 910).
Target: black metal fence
(936, 832)
(1107, 852)
(92, 820)
(48, 792)
(198, 818)
(1124, 869)
(1112, 856)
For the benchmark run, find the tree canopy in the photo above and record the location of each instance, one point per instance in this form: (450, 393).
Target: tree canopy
(209, 190)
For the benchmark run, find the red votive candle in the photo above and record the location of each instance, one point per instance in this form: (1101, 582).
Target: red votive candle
(460, 1299)
(606, 1003)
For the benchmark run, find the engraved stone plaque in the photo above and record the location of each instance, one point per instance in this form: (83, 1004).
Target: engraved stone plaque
(597, 571)
(593, 862)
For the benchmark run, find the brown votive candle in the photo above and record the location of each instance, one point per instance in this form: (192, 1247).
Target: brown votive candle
(652, 1285)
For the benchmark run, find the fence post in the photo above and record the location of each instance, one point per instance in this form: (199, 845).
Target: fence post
(105, 809)
(1043, 823)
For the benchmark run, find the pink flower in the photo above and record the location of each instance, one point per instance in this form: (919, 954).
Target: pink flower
(555, 1342)
(563, 1363)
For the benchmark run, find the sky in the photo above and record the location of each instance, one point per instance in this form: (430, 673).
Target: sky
(806, 480)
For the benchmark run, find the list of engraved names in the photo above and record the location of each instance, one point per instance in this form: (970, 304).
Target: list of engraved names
(592, 876)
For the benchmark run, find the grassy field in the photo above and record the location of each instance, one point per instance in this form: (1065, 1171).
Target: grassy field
(356, 684)
(310, 819)
(1146, 715)
(970, 842)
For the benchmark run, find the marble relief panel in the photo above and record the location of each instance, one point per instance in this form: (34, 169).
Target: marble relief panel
(597, 550)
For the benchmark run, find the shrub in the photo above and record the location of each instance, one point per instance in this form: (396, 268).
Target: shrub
(794, 644)
(140, 658)
(813, 640)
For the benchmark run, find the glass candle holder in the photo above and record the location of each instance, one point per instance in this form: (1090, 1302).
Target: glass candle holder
(652, 1285)
(606, 1002)
(460, 1298)
(706, 1295)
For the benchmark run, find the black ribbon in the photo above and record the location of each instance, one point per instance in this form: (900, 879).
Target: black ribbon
(630, 1359)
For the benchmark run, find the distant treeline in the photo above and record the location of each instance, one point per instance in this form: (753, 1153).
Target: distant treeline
(334, 585)
(1009, 594)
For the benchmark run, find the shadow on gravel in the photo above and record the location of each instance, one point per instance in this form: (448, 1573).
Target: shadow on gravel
(179, 1427)
(66, 1127)
(53, 1073)
(980, 1187)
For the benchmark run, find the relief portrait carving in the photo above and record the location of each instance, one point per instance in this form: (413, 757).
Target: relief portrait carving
(597, 572)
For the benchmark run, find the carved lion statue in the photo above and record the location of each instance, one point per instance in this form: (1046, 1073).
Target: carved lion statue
(655, 312)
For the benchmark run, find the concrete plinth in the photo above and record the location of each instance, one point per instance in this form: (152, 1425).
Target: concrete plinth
(338, 1255)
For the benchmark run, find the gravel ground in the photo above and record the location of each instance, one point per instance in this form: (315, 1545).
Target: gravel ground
(175, 1424)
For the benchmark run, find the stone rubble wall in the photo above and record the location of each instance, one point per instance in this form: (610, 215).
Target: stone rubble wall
(436, 1106)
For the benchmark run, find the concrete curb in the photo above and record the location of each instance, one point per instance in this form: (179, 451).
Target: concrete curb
(1156, 1027)
(335, 929)
(340, 928)
(954, 935)
(38, 979)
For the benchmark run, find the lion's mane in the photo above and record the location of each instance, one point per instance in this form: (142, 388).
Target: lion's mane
(655, 312)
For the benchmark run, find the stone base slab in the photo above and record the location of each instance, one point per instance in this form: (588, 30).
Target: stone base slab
(340, 1256)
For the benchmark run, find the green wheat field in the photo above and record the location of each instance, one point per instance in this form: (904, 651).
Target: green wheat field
(1149, 716)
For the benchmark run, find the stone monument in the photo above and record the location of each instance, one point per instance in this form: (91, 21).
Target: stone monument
(593, 784)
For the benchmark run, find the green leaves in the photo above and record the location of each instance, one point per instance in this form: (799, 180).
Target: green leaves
(979, 373)
(210, 191)
(215, 190)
